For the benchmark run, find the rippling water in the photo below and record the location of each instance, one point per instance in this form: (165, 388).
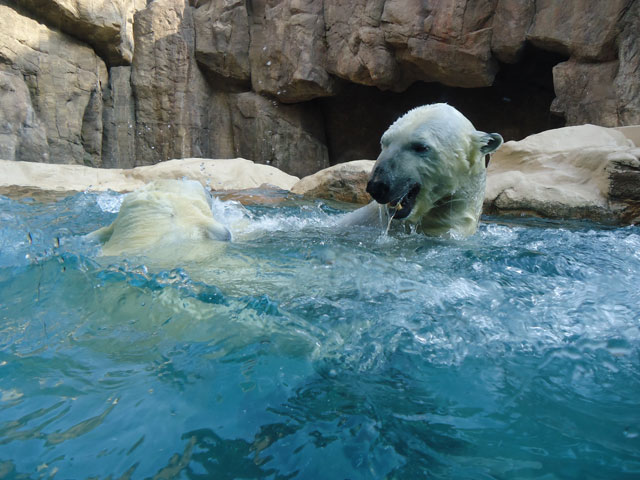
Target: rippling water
(303, 351)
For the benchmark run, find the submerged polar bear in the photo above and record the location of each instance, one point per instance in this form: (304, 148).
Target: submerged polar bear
(164, 219)
(431, 172)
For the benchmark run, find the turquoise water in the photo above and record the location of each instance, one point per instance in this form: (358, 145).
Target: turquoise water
(302, 351)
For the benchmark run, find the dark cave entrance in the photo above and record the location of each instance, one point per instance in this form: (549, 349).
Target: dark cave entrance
(516, 105)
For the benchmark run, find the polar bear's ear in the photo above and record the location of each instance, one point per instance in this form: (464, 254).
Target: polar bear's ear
(489, 142)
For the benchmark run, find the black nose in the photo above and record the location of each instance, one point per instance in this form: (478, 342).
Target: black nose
(378, 190)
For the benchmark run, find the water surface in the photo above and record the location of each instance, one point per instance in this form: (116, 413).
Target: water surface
(305, 351)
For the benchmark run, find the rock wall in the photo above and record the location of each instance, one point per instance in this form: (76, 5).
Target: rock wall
(131, 82)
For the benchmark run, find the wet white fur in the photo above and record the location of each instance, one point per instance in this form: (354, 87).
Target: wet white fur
(169, 218)
(457, 171)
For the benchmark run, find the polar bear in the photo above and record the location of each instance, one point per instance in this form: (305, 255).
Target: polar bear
(164, 219)
(431, 172)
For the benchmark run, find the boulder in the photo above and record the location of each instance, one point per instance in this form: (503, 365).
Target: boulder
(219, 175)
(345, 182)
(584, 171)
(64, 78)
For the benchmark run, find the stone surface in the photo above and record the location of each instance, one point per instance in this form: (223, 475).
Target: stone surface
(205, 74)
(222, 39)
(573, 172)
(626, 83)
(392, 43)
(118, 146)
(106, 26)
(287, 50)
(219, 175)
(574, 82)
(345, 182)
(447, 42)
(510, 24)
(64, 79)
(289, 137)
(171, 94)
(584, 29)
(632, 132)
(356, 49)
(21, 133)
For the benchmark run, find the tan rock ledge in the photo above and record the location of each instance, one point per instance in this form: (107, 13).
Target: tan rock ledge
(219, 174)
(584, 171)
(345, 182)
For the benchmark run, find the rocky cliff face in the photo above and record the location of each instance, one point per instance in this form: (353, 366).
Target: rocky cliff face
(299, 84)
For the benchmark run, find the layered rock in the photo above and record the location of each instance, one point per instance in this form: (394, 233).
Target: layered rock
(119, 120)
(511, 22)
(64, 79)
(288, 137)
(223, 39)
(583, 29)
(21, 133)
(392, 43)
(222, 78)
(573, 172)
(626, 82)
(180, 113)
(171, 94)
(599, 82)
(106, 26)
(287, 50)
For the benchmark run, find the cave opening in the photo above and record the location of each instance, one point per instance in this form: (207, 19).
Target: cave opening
(516, 105)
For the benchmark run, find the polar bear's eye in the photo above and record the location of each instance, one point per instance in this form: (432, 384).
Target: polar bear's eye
(419, 147)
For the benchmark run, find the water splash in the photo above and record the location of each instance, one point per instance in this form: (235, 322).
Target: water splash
(406, 358)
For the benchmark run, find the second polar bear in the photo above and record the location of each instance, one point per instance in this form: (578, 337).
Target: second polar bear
(430, 172)
(164, 219)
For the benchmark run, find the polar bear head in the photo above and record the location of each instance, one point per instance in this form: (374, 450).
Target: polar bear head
(431, 170)
(171, 218)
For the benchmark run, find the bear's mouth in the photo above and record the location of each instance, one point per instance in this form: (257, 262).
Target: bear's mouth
(404, 204)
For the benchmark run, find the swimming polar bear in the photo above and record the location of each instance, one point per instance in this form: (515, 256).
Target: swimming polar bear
(431, 172)
(164, 219)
